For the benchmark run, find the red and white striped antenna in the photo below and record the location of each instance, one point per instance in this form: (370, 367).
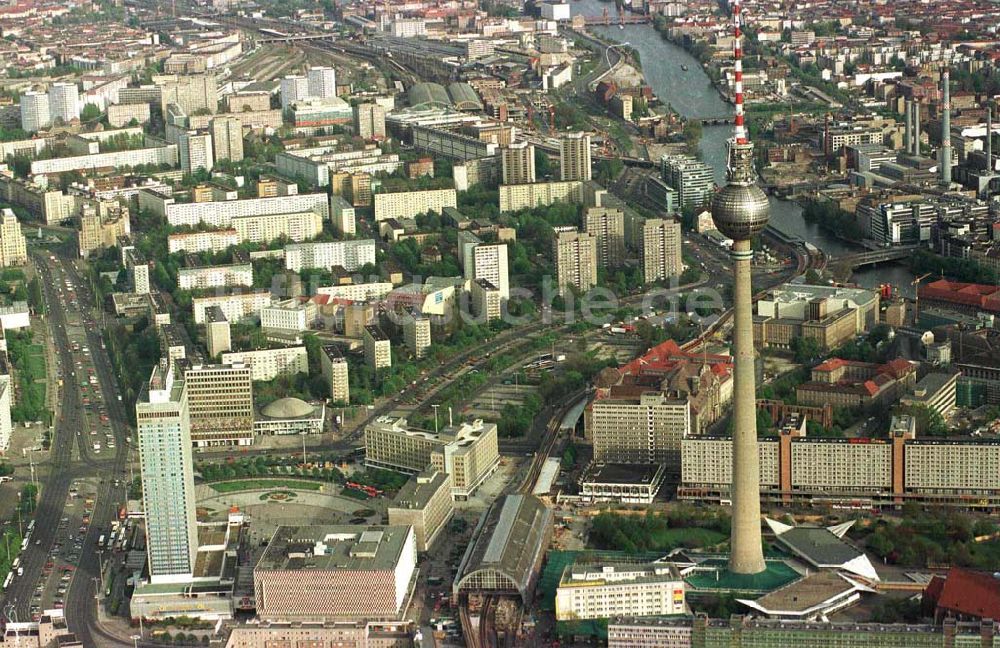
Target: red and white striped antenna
(740, 129)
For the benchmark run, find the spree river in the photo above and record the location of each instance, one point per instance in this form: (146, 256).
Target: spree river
(691, 94)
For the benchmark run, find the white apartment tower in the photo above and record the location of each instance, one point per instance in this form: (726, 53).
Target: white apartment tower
(322, 82)
(64, 102)
(417, 334)
(227, 138)
(35, 114)
(195, 151)
(575, 256)
(661, 249)
(608, 225)
(294, 88)
(489, 262)
(335, 371)
(167, 475)
(518, 163)
(574, 157)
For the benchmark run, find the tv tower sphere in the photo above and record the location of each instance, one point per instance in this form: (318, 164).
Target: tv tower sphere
(740, 210)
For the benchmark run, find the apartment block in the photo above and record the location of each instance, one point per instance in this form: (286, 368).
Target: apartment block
(859, 471)
(335, 372)
(218, 336)
(295, 226)
(195, 242)
(518, 163)
(220, 276)
(342, 216)
(417, 334)
(575, 257)
(220, 402)
(227, 138)
(467, 452)
(349, 255)
(425, 504)
(220, 214)
(235, 307)
(486, 300)
(378, 347)
(489, 262)
(268, 364)
(412, 203)
(661, 249)
(608, 225)
(195, 151)
(541, 194)
(369, 121)
(574, 157)
(123, 114)
(288, 315)
(247, 101)
(156, 155)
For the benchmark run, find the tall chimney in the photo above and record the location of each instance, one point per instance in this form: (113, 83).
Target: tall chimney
(946, 130)
(916, 128)
(908, 129)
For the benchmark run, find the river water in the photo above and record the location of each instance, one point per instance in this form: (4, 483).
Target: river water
(691, 94)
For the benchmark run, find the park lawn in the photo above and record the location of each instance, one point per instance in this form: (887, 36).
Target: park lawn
(261, 484)
(689, 537)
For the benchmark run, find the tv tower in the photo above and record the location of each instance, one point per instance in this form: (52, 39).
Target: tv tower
(946, 128)
(740, 210)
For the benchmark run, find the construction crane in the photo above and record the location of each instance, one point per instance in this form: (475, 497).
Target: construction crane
(916, 295)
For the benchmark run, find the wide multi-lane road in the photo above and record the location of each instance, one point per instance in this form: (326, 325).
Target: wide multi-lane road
(66, 312)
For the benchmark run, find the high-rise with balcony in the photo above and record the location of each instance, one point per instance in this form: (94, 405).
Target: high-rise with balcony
(518, 163)
(608, 225)
(227, 138)
(322, 82)
(195, 151)
(574, 157)
(294, 88)
(575, 256)
(417, 334)
(35, 114)
(64, 102)
(369, 121)
(661, 249)
(167, 474)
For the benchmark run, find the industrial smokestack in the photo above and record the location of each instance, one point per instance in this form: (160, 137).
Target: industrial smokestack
(916, 128)
(946, 130)
(908, 129)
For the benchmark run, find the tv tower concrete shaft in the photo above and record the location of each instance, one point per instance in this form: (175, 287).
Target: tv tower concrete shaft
(747, 555)
(741, 211)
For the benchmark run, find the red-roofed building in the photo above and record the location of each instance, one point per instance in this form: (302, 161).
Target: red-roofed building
(967, 297)
(964, 594)
(703, 380)
(848, 383)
